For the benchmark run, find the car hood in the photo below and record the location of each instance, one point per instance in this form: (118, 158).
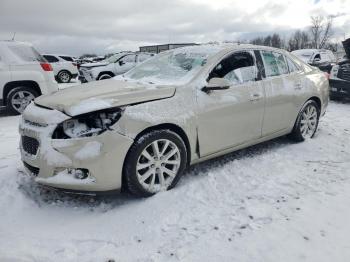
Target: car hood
(346, 45)
(90, 65)
(101, 95)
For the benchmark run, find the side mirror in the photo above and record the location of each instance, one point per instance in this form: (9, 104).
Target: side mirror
(216, 84)
(121, 62)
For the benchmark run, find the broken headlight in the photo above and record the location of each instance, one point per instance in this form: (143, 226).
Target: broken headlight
(86, 125)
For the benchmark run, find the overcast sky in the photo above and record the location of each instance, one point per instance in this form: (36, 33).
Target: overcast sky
(101, 26)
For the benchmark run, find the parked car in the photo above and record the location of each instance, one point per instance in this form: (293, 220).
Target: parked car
(24, 75)
(321, 58)
(64, 70)
(112, 66)
(339, 80)
(141, 130)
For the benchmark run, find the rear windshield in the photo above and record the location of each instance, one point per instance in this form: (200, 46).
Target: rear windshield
(26, 53)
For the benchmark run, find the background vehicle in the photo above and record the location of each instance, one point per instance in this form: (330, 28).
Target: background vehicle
(64, 69)
(181, 107)
(112, 66)
(321, 58)
(24, 75)
(339, 80)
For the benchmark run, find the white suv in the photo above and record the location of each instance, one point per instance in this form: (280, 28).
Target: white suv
(117, 64)
(24, 75)
(63, 68)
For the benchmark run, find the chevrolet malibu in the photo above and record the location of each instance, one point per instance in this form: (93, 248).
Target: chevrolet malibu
(141, 130)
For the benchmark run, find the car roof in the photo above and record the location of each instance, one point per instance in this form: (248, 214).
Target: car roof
(58, 55)
(215, 49)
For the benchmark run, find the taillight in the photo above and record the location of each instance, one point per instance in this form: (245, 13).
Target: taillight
(75, 64)
(46, 67)
(327, 75)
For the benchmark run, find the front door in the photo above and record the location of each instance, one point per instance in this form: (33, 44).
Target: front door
(228, 118)
(125, 63)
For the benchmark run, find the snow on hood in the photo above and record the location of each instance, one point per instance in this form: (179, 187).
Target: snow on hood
(100, 95)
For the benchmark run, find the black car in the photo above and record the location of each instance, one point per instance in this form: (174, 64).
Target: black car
(340, 75)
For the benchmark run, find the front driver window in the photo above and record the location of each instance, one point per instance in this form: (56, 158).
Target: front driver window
(237, 68)
(128, 59)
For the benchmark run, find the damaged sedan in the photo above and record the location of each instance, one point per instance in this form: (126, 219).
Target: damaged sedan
(139, 131)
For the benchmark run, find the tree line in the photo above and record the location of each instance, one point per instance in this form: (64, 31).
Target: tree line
(317, 36)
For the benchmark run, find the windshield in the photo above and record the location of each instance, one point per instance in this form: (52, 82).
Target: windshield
(172, 67)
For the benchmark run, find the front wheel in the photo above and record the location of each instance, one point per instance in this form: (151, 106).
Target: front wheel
(19, 98)
(155, 163)
(307, 122)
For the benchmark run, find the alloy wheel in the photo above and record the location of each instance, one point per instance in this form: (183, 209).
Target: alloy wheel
(64, 77)
(308, 122)
(21, 99)
(158, 165)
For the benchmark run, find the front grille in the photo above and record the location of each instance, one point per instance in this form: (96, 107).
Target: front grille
(32, 169)
(30, 145)
(344, 72)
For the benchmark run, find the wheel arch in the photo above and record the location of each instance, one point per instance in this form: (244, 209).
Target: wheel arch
(105, 73)
(317, 100)
(26, 83)
(166, 126)
(64, 70)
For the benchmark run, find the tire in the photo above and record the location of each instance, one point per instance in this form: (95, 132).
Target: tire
(147, 173)
(104, 76)
(307, 122)
(19, 98)
(64, 77)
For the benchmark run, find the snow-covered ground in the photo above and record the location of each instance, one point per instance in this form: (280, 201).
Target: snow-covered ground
(278, 201)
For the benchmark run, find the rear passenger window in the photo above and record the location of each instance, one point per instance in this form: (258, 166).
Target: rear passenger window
(291, 65)
(274, 63)
(281, 63)
(270, 64)
(51, 59)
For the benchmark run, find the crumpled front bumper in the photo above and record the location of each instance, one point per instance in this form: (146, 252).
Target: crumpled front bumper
(103, 156)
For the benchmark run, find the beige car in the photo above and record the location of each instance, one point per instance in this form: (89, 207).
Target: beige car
(141, 130)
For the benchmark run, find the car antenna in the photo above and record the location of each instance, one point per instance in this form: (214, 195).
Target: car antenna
(13, 37)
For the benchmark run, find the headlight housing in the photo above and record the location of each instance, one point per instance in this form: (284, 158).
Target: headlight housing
(87, 125)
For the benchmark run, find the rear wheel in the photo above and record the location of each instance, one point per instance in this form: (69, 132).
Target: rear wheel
(64, 77)
(307, 122)
(19, 98)
(155, 163)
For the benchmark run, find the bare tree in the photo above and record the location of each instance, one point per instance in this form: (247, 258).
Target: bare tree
(327, 32)
(321, 31)
(276, 41)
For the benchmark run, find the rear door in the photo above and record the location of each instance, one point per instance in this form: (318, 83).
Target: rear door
(281, 88)
(228, 118)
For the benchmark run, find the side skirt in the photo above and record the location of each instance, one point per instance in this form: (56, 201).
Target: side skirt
(241, 146)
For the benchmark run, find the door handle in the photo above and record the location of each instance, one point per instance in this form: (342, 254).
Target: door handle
(255, 97)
